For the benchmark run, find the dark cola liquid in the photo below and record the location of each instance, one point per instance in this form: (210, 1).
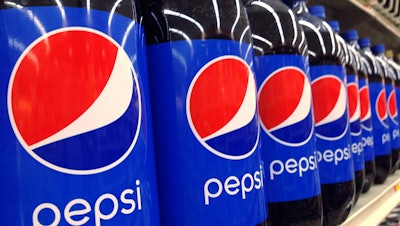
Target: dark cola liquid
(124, 7)
(338, 204)
(370, 172)
(204, 22)
(284, 37)
(383, 168)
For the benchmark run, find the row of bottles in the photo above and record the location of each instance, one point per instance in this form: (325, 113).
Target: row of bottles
(179, 112)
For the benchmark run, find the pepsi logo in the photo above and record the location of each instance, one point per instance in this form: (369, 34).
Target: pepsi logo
(330, 107)
(392, 107)
(354, 108)
(365, 106)
(285, 107)
(381, 108)
(74, 101)
(221, 108)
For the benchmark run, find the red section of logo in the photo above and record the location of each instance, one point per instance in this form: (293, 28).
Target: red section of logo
(352, 93)
(217, 95)
(365, 103)
(392, 106)
(326, 93)
(41, 113)
(280, 97)
(381, 106)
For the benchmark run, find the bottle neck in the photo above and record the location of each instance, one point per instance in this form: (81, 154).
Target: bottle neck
(366, 49)
(354, 44)
(300, 7)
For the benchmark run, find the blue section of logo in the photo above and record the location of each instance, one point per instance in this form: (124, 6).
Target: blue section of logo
(335, 129)
(295, 133)
(334, 155)
(59, 153)
(129, 187)
(286, 184)
(184, 164)
(233, 144)
(367, 134)
(381, 132)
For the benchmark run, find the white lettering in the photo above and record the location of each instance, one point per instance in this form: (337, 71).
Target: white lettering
(334, 156)
(395, 134)
(304, 164)
(76, 211)
(385, 138)
(232, 185)
(52, 207)
(368, 141)
(68, 214)
(357, 148)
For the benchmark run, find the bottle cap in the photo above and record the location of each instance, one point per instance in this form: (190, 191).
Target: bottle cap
(350, 35)
(378, 49)
(317, 11)
(334, 25)
(389, 53)
(364, 42)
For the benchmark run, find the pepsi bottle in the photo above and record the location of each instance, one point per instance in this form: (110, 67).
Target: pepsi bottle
(331, 115)
(363, 70)
(76, 134)
(380, 124)
(204, 102)
(286, 117)
(389, 73)
(396, 68)
(353, 65)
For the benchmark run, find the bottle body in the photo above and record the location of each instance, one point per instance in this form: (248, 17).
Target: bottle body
(363, 70)
(393, 105)
(333, 133)
(380, 124)
(287, 132)
(203, 94)
(366, 125)
(389, 76)
(353, 65)
(66, 143)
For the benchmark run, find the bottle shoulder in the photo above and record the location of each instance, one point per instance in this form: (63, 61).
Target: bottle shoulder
(275, 29)
(167, 21)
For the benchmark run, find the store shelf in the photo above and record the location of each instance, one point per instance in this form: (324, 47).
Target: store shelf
(364, 17)
(373, 206)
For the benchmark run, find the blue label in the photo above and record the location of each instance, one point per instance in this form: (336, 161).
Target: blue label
(380, 121)
(366, 120)
(397, 98)
(287, 136)
(357, 148)
(207, 137)
(73, 154)
(332, 124)
(392, 115)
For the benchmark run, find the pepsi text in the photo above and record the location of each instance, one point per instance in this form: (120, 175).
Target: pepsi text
(232, 185)
(292, 165)
(130, 200)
